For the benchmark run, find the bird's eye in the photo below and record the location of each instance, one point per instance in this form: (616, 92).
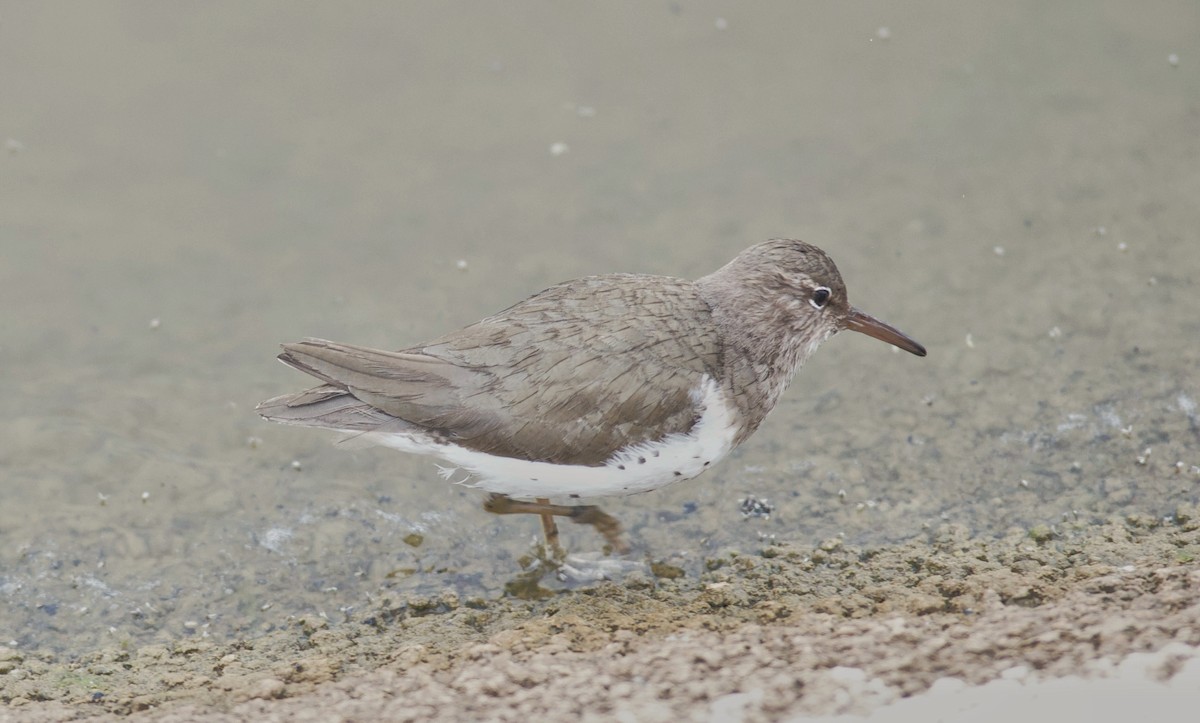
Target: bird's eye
(820, 297)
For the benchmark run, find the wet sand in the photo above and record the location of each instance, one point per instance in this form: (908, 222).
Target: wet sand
(779, 633)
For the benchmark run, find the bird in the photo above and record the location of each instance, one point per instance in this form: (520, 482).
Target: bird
(604, 385)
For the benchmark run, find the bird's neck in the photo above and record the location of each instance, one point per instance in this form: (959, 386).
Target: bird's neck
(760, 353)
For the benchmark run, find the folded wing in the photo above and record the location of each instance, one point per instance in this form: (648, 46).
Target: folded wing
(570, 375)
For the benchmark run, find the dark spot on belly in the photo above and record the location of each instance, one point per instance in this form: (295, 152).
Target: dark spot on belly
(574, 497)
(641, 460)
(706, 464)
(621, 466)
(678, 473)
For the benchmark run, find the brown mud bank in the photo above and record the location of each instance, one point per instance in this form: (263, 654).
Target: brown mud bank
(786, 631)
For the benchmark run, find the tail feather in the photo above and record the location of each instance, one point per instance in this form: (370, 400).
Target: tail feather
(350, 375)
(314, 408)
(293, 355)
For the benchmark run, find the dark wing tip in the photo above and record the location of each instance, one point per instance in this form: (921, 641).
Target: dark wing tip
(293, 355)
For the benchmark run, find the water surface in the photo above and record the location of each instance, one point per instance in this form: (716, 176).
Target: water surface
(185, 186)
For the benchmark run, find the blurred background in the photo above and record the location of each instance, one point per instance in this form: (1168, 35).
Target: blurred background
(185, 185)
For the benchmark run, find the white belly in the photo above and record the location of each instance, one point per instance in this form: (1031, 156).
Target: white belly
(637, 468)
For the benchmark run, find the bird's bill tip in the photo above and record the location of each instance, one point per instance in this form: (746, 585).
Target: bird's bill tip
(864, 323)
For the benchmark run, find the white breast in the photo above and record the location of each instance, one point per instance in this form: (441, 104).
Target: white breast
(637, 468)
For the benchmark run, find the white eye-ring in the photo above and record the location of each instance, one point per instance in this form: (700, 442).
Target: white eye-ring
(820, 297)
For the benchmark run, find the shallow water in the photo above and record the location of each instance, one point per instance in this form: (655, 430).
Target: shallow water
(186, 186)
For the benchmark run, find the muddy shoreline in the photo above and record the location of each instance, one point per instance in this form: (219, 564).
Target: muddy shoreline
(776, 622)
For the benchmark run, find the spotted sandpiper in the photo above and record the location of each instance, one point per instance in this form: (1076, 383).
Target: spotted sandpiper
(605, 385)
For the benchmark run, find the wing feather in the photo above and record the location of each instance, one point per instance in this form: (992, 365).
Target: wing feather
(569, 375)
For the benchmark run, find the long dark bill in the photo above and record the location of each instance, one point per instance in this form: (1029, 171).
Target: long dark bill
(864, 323)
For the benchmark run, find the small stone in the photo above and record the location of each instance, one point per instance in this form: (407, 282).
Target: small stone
(752, 506)
(665, 571)
(267, 689)
(1041, 533)
(831, 544)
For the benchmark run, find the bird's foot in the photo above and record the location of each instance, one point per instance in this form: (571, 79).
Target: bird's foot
(605, 524)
